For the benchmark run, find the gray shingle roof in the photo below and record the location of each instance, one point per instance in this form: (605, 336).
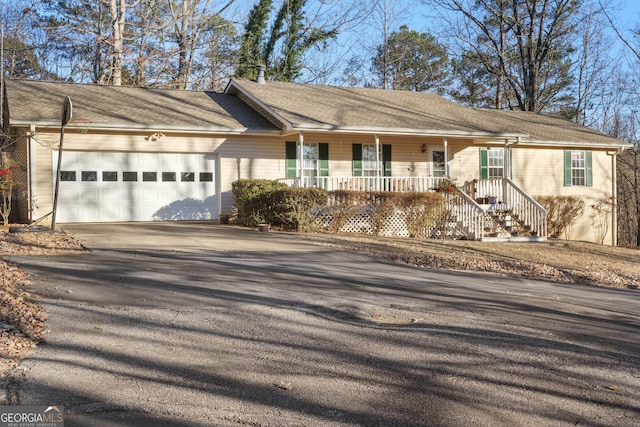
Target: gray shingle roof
(328, 107)
(301, 107)
(130, 107)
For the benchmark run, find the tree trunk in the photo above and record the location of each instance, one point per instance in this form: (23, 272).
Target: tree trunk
(117, 9)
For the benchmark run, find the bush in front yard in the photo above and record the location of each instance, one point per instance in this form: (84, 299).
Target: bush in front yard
(294, 208)
(345, 204)
(422, 211)
(379, 211)
(562, 213)
(265, 201)
(253, 199)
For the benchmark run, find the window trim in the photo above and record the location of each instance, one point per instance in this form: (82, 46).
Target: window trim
(291, 158)
(385, 159)
(568, 168)
(485, 167)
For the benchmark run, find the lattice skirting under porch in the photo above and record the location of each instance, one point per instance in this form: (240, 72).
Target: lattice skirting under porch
(367, 219)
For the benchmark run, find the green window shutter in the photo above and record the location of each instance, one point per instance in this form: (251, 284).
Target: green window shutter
(589, 168)
(357, 159)
(323, 161)
(386, 159)
(484, 164)
(567, 168)
(291, 156)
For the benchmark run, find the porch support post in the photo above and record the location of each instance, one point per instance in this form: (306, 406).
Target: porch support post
(301, 159)
(507, 159)
(445, 142)
(378, 163)
(506, 167)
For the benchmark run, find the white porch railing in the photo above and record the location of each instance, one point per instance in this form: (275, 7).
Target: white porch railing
(527, 210)
(468, 213)
(505, 193)
(469, 205)
(367, 183)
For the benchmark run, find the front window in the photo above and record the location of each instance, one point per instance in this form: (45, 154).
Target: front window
(310, 156)
(495, 157)
(578, 168)
(369, 165)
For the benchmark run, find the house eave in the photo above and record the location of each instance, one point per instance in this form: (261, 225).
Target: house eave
(305, 127)
(85, 126)
(575, 144)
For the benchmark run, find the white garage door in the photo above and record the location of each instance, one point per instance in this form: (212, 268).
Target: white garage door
(109, 187)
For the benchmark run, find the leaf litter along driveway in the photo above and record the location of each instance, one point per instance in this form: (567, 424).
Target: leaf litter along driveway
(213, 325)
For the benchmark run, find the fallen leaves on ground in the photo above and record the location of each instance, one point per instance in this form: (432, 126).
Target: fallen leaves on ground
(38, 243)
(22, 321)
(555, 260)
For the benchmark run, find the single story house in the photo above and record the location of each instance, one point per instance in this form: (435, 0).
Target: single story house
(140, 154)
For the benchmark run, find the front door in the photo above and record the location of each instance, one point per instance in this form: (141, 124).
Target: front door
(436, 162)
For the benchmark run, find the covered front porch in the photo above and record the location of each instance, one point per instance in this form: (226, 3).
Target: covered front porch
(480, 209)
(483, 203)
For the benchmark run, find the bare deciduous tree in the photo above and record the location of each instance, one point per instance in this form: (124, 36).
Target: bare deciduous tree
(524, 44)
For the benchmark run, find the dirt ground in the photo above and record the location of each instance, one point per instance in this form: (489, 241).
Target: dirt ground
(23, 323)
(580, 263)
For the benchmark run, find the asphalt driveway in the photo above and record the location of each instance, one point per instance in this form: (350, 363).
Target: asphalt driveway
(199, 324)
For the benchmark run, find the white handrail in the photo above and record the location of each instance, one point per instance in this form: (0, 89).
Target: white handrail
(504, 192)
(468, 213)
(528, 211)
(367, 183)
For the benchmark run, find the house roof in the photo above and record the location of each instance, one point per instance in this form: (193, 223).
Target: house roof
(125, 107)
(311, 107)
(278, 107)
(326, 108)
(544, 128)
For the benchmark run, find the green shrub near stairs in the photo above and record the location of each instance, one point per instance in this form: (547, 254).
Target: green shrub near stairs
(263, 201)
(253, 199)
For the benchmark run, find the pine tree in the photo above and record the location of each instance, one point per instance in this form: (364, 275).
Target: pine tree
(414, 61)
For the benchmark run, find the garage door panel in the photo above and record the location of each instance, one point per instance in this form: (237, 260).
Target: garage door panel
(110, 161)
(111, 194)
(186, 210)
(89, 196)
(110, 198)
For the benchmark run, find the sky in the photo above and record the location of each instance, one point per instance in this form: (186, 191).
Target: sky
(420, 17)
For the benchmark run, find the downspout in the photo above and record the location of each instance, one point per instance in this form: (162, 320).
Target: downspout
(614, 197)
(30, 172)
(300, 158)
